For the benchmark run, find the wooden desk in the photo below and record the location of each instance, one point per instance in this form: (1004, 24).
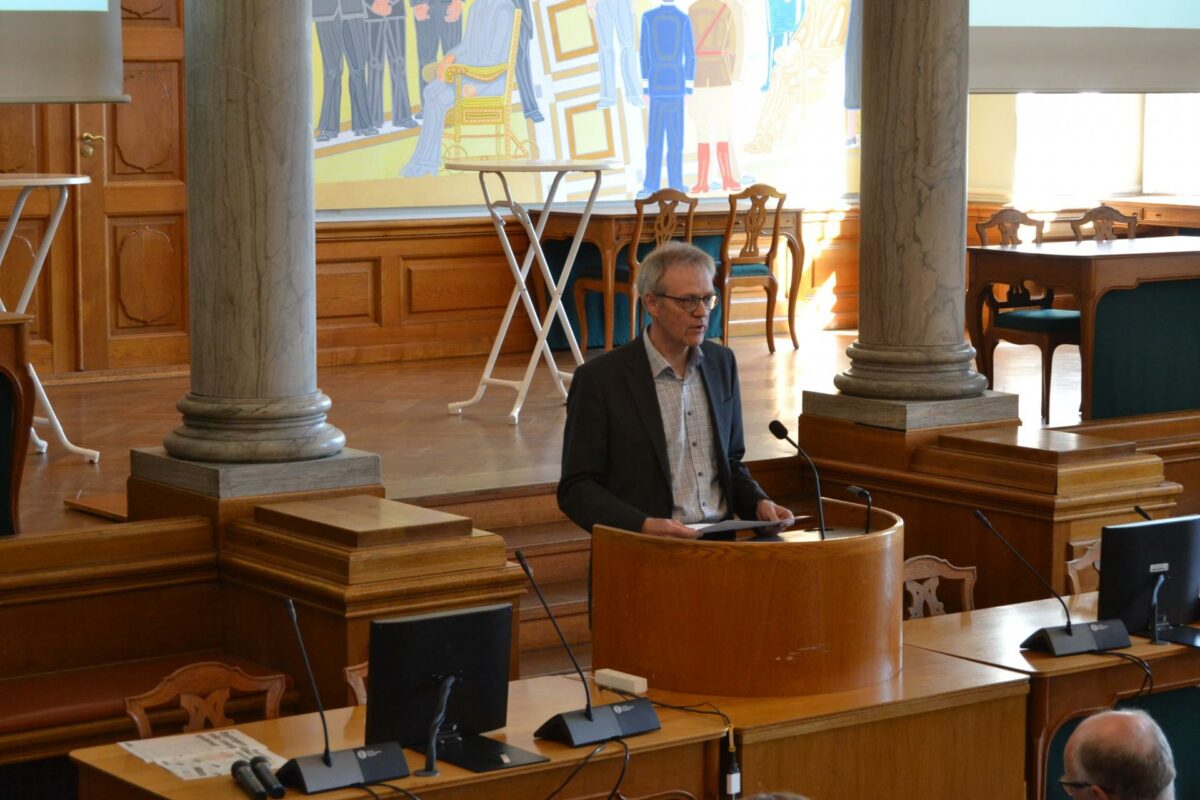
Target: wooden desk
(682, 756)
(1160, 210)
(1088, 270)
(944, 727)
(1060, 688)
(610, 228)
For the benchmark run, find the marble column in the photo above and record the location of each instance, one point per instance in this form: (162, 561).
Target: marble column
(252, 265)
(913, 202)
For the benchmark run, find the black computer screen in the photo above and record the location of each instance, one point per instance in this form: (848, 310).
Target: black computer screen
(1132, 556)
(410, 657)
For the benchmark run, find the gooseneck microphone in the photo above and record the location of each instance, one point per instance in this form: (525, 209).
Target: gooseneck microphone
(1065, 640)
(590, 725)
(864, 495)
(781, 432)
(1143, 513)
(377, 761)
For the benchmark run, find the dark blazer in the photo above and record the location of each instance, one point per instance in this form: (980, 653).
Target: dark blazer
(614, 463)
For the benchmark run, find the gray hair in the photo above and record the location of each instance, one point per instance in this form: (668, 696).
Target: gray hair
(666, 255)
(1135, 769)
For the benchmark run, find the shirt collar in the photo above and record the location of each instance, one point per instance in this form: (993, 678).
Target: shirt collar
(659, 363)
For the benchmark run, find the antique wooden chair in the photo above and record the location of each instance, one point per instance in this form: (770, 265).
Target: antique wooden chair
(356, 676)
(673, 219)
(202, 690)
(1023, 317)
(749, 265)
(1082, 578)
(1102, 219)
(923, 575)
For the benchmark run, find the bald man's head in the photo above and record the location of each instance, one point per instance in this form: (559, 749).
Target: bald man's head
(1124, 754)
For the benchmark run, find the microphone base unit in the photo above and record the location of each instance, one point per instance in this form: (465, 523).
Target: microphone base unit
(367, 764)
(612, 721)
(1085, 637)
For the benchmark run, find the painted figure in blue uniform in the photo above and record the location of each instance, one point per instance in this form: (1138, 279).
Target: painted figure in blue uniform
(668, 57)
(783, 18)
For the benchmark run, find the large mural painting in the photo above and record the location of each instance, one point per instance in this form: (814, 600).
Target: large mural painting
(703, 96)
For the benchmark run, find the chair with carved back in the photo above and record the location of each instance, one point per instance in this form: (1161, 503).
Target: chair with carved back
(923, 576)
(746, 264)
(1082, 571)
(202, 690)
(1024, 317)
(1102, 219)
(674, 214)
(356, 676)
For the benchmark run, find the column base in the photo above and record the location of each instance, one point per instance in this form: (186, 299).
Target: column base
(225, 480)
(911, 373)
(254, 430)
(905, 415)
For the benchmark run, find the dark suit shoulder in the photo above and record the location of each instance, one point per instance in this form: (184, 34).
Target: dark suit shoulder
(629, 355)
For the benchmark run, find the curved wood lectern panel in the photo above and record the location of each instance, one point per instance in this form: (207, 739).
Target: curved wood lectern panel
(751, 619)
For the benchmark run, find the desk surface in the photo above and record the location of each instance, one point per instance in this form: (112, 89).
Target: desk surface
(929, 682)
(993, 636)
(1090, 248)
(531, 702)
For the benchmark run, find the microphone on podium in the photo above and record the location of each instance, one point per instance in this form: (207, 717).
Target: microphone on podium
(781, 432)
(865, 496)
(591, 724)
(1069, 639)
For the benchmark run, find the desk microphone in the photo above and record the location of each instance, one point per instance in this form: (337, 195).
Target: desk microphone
(592, 724)
(262, 770)
(246, 780)
(1143, 513)
(1108, 634)
(378, 761)
(864, 495)
(781, 432)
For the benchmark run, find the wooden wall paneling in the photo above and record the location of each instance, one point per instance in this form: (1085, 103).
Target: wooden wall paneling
(133, 266)
(80, 599)
(831, 247)
(405, 289)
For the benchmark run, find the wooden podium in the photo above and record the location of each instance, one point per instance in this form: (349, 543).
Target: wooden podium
(753, 619)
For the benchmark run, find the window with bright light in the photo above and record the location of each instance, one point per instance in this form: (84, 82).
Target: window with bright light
(1171, 159)
(1075, 149)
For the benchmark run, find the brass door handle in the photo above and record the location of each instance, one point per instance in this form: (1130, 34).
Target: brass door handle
(88, 149)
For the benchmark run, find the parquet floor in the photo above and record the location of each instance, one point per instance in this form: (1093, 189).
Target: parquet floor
(399, 411)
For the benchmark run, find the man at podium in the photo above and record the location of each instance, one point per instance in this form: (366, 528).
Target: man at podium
(653, 439)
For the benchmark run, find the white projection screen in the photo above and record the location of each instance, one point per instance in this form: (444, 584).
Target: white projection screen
(1085, 46)
(61, 51)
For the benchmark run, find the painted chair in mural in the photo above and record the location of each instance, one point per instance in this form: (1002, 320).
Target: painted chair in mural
(484, 117)
(1025, 315)
(673, 219)
(743, 260)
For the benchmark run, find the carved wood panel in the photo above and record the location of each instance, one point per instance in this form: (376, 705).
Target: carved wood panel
(148, 284)
(146, 132)
(150, 12)
(466, 287)
(15, 270)
(19, 137)
(348, 293)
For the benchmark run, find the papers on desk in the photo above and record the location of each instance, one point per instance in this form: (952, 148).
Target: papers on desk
(200, 755)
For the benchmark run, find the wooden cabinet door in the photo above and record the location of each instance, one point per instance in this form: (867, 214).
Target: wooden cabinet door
(133, 227)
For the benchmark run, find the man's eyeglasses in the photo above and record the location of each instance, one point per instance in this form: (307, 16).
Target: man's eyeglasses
(692, 302)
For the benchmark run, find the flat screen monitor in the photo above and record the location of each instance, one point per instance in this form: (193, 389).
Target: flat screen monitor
(412, 659)
(1134, 555)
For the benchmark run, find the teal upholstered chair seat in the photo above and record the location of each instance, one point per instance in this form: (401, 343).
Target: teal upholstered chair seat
(1021, 317)
(750, 270)
(1061, 321)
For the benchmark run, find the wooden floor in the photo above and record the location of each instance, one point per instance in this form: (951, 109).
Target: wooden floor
(399, 411)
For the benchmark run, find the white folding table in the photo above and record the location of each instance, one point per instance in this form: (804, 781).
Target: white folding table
(497, 210)
(27, 183)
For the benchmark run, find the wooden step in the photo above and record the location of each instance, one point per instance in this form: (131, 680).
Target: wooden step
(568, 601)
(555, 661)
(556, 551)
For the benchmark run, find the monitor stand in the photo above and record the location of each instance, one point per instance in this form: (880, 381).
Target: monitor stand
(1175, 634)
(481, 754)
